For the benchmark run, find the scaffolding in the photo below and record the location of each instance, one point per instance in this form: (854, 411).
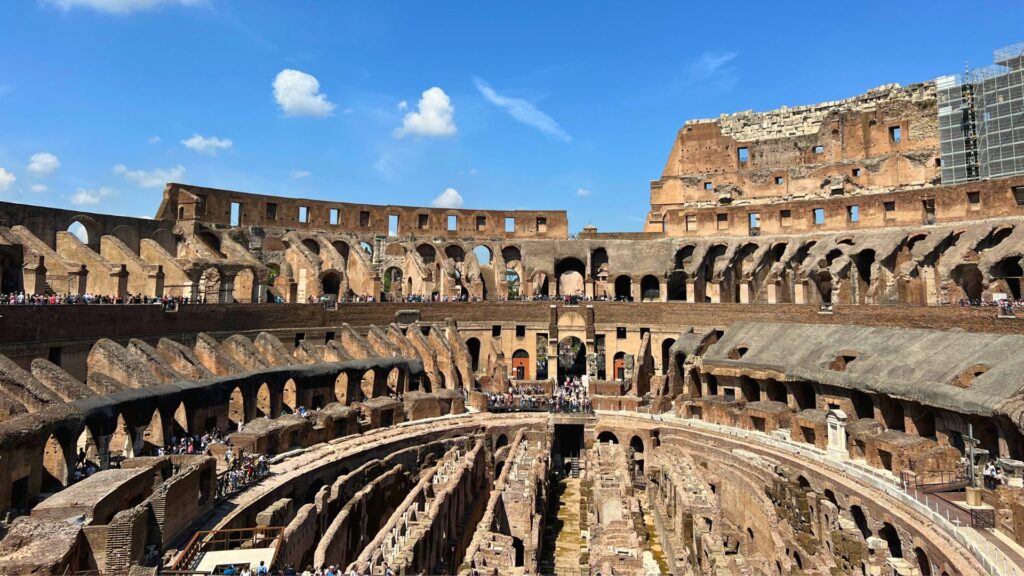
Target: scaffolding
(981, 119)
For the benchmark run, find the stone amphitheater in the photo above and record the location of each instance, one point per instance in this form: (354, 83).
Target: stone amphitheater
(808, 362)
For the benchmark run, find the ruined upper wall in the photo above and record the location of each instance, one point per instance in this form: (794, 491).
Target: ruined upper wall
(882, 140)
(214, 206)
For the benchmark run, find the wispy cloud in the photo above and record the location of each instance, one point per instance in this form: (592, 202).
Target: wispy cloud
(299, 174)
(155, 178)
(583, 192)
(121, 6)
(85, 197)
(523, 111)
(715, 70)
(208, 146)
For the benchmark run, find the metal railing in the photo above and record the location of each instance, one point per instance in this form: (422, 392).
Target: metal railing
(231, 539)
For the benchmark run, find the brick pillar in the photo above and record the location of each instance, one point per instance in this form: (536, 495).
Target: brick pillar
(773, 297)
(799, 297)
(663, 289)
(155, 282)
(745, 293)
(691, 291)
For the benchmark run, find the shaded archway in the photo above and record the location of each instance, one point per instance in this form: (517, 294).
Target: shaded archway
(666, 354)
(624, 288)
(521, 364)
(341, 391)
(650, 289)
(637, 444)
(513, 284)
(153, 436)
(570, 273)
(860, 520)
(483, 255)
(312, 245)
(236, 406)
(863, 405)
(474, 353)
(427, 253)
(330, 283)
(619, 366)
(572, 358)
(888, 533)
(55, 462)
(923, 564)
(264, 406)
(607, 437)
(290, 396)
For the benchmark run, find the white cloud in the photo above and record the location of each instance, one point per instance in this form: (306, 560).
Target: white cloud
(6, 179)
(582, 192)
(435, 116)
(298, 94)
(450, 198)
(121, 6)
(155, 178)
(154, 139)
(85, 197)
(403, 105)
(298, 174)
(39, 188)
(208, 146)
(43, 164)
(523, 111)
(712, 70)
(385, 164)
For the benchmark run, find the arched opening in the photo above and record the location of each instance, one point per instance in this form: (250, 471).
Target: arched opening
(153, 436)
(624, 288)
(570, 273)
(863, 405)
(637, 444)
(86, 232)
(677, 286)
(893, 415)
(88, 451)
(427, 253)
(342, 248)
(861, 520)
(682, 257)
(923, 564)
(970, 280)
(831, 497)
(290, 396)
(540, 284)
(474, 352)
(775, 390)
(244, 286)
(179, 426)
(122, 442)
(394, 249)
(330, 283)
(312, 245)
(712, 383)
(666, 354)
(572, 358)
(798, 560)
(391, 283)
(513, 284)
(367, 384)
(599, 264)
(500, 442)
(650, 289)
(924, 422)
(483, 255)
(264, 407)
(806, 398)
(521, 364)
(511, 255)
(236, 406)
(394, 380)
(751, 390)
(888, 533)
(1009, 272)
(455, 252)
(607, 437)
(55, 465)
(212, 241)
(619, 366)
(367, 248)
(341, 391)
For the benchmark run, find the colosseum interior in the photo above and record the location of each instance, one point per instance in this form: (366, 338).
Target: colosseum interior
(780, 375)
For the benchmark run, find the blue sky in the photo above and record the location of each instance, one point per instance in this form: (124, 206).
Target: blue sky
(535, 105)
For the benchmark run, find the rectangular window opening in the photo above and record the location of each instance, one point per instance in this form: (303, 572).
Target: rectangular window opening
(779, 180)
(422, 221)
(722, 220)
(974, 199)
(236, 213)
(334, 216)
(481, 223)
(709, 186)
(496, 330)
(392, 224)
(453, 222)
(856, 172)
(754, 220)
(303, 214)
(819, 149)
(1018, 195)
(819, 216)
(853, 213)
(743, 154)
(542, 224)
(620, 332)
(890, 208)
(785, 217)
(691, 222)
(895, 134)
(520, 331)
(510, 224)
(271, 211)
(364, 218)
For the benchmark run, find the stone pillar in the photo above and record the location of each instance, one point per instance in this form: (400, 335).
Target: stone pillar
(745, 293)
(634, 291)
(836, 421)
(663, 289)
(799, 296)
(691, 291)
(122, 281)
(552, 287)
(34, 277)
(588, 287)
(193, 290)
(227, 288)
(773, 297)
(155, 282)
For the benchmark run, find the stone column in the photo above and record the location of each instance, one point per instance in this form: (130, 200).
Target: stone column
(798, 293)
(155, 282)
(745, 293)
(663, 289)
(773, 293)
(122, 281)
(836, 421)
(34, 277)
(634, 290)
(226, 295)
(691, 291)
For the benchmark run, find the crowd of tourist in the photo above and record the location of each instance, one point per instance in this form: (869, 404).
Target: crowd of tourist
(243, 469)
(23, 299)
(994, 476)
(570, 397)
(1006, 306)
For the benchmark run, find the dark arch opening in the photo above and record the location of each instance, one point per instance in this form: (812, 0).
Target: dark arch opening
(806, 398)
(312, 245)
(923, 564)
(607, 436)
(888, 533)
(650, 289)
(624, 288)
(863, 405)
(572, 358)
(861, 520)
(427, 253)
(474, 352)
(330, 284)
(637, 444)
(666, 354)
(501, 441)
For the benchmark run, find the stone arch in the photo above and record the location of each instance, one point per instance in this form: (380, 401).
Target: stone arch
(666, 354)
(342, 247)
(607, 436)
(650, 289)
(969, 278)
(570, 273)
(455, 252)
(775, 391)
(290, 395)
(598, 263)
(619, 365)
(55, 461)
(924, 421)
(165, 238)
(513, 284)
(341, 390)
(682, 256)
(86, 229)
(623, 288)
(502, 440)
(153, 436)
(572, 357)
(483, 255)
(474, 353)
(893, 415)
(860, 519)
(212, 240)
(122, 441)
(395, 380)
(367, 384)
(888, 533)
(923, 564)
(391, 282)
(394, 249)
(236, 406)
(179, 422)
(210, 284)
(128, 235)
(87, 442)
(511, 254)
(637, 443)
(330, 282)
(806, 396)
(676, 286)
(427, 253)
(264, 401)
